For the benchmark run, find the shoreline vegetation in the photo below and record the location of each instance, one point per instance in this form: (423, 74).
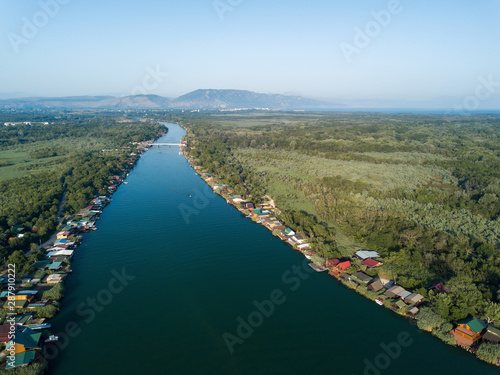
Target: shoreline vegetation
(402, 208)
(243, 164)
(33, 275)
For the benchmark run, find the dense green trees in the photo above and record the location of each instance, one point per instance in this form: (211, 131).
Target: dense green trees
(78, 169)
(422, 191)
(489, 352)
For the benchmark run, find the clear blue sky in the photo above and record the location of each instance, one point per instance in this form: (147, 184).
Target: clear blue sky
(429, 49)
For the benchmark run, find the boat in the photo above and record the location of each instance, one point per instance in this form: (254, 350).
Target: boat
(125, 182)
(52, 338)
(308, 257)
(380, 301)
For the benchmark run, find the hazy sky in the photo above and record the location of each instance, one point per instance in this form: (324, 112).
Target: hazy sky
(413, 50)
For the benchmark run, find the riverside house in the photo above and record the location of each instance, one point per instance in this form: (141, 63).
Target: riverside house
(376, 285)
(304, 247)
(342, 266)
(16, 303)
(60, 253)
(414, 298)
(247, 205)
(371, 263)
(25, 346)
(468, 332)
(296, 239)
(332, 262)
(394, 291)
(365, 254)
(361, 278)
(55, 278)
(492, 334)
(286, 234)
(259, 213)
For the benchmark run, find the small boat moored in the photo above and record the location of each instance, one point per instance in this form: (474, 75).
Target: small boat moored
(41, 326)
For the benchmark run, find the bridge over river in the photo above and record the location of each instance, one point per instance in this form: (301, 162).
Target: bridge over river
(165, 144)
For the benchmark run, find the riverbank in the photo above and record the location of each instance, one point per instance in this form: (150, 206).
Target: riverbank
(357, 272)
(201, 264)
(32, 299)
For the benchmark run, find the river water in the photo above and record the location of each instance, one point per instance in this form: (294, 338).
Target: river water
(175, 281)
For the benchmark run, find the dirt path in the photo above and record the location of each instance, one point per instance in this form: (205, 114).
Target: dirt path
(271, 201)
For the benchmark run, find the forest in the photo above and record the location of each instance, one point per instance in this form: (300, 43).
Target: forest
(421, 189)
(60, 165)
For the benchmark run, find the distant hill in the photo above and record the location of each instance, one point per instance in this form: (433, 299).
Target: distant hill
(63, 102)
(227, 99)
(239, 99)
(135, 101)
(199, 99)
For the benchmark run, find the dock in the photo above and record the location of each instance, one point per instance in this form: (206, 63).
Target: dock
(317, 268)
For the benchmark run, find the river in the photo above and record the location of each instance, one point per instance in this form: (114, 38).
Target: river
(176, 281)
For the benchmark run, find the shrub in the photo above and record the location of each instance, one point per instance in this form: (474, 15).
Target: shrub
(47, 311)
(32, 369)
(55, 293)
(428, 319)
(489, 352)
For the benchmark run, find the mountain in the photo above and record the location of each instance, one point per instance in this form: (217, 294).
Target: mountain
(199, 99)
(97, 102)
(135, 101)
(242, 99)
(41, 103)
(230, 99)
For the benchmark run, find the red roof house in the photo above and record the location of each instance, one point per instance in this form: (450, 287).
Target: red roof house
(344, 265)
(332, 262)
(370, 263)
(439, 287)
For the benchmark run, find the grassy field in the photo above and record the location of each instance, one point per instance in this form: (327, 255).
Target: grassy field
(19, 164)
(381, 176)
(21, 160)
(264, 119)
